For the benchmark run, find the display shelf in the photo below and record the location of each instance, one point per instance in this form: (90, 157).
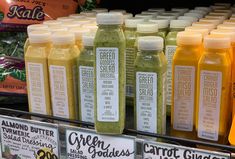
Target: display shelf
(132, 132)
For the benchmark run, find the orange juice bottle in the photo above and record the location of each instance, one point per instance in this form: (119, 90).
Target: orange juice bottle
(232, 132)
(184, 84)
(214, 75)
(37, 72)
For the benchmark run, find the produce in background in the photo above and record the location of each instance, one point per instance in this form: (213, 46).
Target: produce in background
(87, 4)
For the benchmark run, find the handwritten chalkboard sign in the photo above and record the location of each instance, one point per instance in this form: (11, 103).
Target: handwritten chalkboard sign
(157, 150)
(85, 144)
(25, 139)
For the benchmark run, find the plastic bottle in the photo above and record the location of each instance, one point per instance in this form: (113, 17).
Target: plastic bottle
(78, 32)
(211, 20)
(208, 25)
(203, 31)
(131, 53)
(231, 134)
(36, 63)
(192, 19)
(163, 26)
(175, 27)
(110, 72)
(85, 66)
(146, 17)
(226, 27)
(214, 77)
(150, 85)
(51, 23)
(63, 75)
(184, 84)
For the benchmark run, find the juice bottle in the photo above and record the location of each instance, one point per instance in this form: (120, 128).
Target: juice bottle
(85, 66)
(226, 27)
(197, 15)
(184, 84)
(110, 74)
(163, 26)
(34, 27)
(207, 25)
(231, 134)
(78, 32)
(214, 77)
(131, 53)
(175, 27)
(63, 73)
(36, 63)
(150, 85)
(211, 20)
(192, 19)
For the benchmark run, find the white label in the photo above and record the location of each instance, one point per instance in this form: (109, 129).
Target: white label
(184, 89)
(170, 50)
(59, 94)
(37, 88)
(209, 105)
(130, 59)
(158, 150)
(28, 140)
(88, 145)
(164, 94)
(107, 84)
(146, 100)
(86, 76)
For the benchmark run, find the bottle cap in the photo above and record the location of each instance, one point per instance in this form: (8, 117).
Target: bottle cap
(228, 11)
(83, 21)
(226, 26)
(179, 23)
(213, 7)
(171, 17)
(208, 25)
(229, 22)
(192, 19)
(118, 11)
(88, 13)
(88, 39)
(63, 37)
(41, 36)
(100, 10)
(226, 33)
(169, 13)
(198, 11)
(162, 23)
(232, 18)
(150, 13)
(202, 31)
(159, 10)
(78, 32)
(144, 16)
(77, 16)
(57, 28)
(213, 15)
(69, 25)
(65, 19)
(132, 22)
(207, 9)
(181, 10)
(109, 18)
(197, 15)
(150, 43)
(127, 15)
(36, 27)
(211, 20)
(147, 27)
(189, 38)
(216, 42)
(52, 23)
(91, 27)
(223, 4)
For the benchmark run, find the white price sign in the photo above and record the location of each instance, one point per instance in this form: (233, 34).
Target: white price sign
(85, 144)
(25, 139)
(156, 150)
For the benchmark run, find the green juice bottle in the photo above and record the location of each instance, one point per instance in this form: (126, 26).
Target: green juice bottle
(175, 27)
(163, 26)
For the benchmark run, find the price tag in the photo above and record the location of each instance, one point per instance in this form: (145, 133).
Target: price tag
(25, 139)
(85, 144)
(157, 150)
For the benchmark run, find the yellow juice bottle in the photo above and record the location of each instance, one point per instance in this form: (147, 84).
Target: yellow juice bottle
(37, 73)
(214, 75)
(78, 32)
(62, 71)
(184, 84)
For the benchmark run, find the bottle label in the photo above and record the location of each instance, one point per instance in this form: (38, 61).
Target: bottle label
(164, 95)
(86, 76)
(170, 50)
(209, 105)
(146, 101)
(130, 59)
(59, 94)
(37, 88)
(107, 80)
(184, 89)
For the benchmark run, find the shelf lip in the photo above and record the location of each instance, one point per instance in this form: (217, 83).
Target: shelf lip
(224, 148)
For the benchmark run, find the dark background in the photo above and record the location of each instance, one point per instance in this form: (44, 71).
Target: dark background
(136, 6)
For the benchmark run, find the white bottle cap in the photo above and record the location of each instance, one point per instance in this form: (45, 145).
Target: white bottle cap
(160, 10)
(83, 21)
(207, 9)
(77, 16)
(144, 16)
(216, 42)
(203, 31)
(91, 27)
(197, 15)
(52, 23)
(100, 10)
(181, 10)
(63, 37)
(189, 38)
(127, 15)
(88, 39)
(232, 22)
(150, 13)
(69, 25)
(226, 27)
(171, 17)
(78, 32)
(215, 15)
(147, 27)
(192, 19)
(150, 43)
(162, 23)
(179, 23)
(37, 27)
(170, 13)
(208, 25)
(211, 20)
(57, 28)
(213, 7)
(39, 36)
(88, 13)
(109, 18)
(198, 11)
(118, 11)
(65, 19)
(227, 33)
(132, 22)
